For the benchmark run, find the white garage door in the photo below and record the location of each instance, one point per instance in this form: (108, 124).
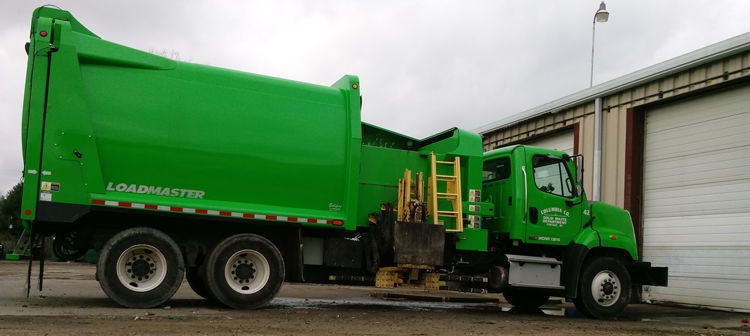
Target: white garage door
(697, 199)
(561, 141)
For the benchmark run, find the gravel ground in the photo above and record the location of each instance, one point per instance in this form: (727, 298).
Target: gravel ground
(72, 303)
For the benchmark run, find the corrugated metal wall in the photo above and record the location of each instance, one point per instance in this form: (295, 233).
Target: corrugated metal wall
(613, 125)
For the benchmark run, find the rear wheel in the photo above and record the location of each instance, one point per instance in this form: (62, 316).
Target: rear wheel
(603, 289)
(525, 298)
(244, 271)
(140, 268)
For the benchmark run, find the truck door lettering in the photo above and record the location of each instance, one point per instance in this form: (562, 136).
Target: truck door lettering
(555, 217)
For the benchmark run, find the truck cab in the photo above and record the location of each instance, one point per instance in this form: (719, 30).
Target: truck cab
(541, 211)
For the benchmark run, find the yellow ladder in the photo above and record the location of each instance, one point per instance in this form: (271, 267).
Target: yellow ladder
(452, 193)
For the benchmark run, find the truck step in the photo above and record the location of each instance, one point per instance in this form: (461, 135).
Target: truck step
(532, 259)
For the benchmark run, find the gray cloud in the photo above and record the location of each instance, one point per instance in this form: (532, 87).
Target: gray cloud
(424, 65)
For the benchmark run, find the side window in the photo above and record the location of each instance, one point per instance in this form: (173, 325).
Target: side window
(496, 169)
(551, 176)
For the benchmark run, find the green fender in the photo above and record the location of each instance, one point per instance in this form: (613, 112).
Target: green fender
(615, 228)
(587, 237)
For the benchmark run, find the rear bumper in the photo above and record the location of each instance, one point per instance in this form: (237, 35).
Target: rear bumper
(641, 273)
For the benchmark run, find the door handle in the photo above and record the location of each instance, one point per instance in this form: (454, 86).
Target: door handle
(533, 215)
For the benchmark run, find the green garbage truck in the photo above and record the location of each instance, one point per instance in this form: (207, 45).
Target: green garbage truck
(239, 182)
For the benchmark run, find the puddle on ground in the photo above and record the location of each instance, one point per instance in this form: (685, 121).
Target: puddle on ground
(379, 304)
(370, 304)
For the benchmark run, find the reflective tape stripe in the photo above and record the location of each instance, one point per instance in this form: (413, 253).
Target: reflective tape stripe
(212, 212)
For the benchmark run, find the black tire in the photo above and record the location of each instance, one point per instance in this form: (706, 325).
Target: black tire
(263, 279)
(525, 299)
(607, 309)
(128, 295)
(64, 252)
(196, 281)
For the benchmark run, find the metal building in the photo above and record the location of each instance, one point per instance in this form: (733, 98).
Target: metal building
(671, 144)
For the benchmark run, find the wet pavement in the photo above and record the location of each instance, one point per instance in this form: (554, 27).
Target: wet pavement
(70, 290)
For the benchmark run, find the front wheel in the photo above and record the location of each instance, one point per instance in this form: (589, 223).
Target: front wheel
(603, 289)
(244, 271)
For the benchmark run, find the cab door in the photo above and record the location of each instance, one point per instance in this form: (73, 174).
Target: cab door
(554, 209)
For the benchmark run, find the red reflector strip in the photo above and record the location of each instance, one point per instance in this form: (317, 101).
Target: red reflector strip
(613, 237)
(336, 222)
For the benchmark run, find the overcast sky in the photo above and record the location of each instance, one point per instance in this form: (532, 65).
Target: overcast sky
(424, 66)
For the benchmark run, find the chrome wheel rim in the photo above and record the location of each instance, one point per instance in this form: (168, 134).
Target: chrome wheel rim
(247, 271)
(141, 268)
(606, 288)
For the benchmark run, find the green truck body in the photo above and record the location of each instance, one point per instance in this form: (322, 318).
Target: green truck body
(117, 142)
(125, 126)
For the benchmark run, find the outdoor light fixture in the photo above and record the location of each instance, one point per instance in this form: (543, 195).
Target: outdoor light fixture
(600, 16)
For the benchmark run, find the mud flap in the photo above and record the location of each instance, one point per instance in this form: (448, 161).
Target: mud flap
(641, 273)
(419, 243)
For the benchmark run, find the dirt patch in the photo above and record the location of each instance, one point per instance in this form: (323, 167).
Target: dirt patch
(72, 303)
(339, 322)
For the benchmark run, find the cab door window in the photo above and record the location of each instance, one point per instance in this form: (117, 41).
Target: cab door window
(552, 176)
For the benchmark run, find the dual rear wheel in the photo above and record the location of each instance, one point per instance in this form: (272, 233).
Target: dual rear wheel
(140, 268)
(243, 271)
(143, 268)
